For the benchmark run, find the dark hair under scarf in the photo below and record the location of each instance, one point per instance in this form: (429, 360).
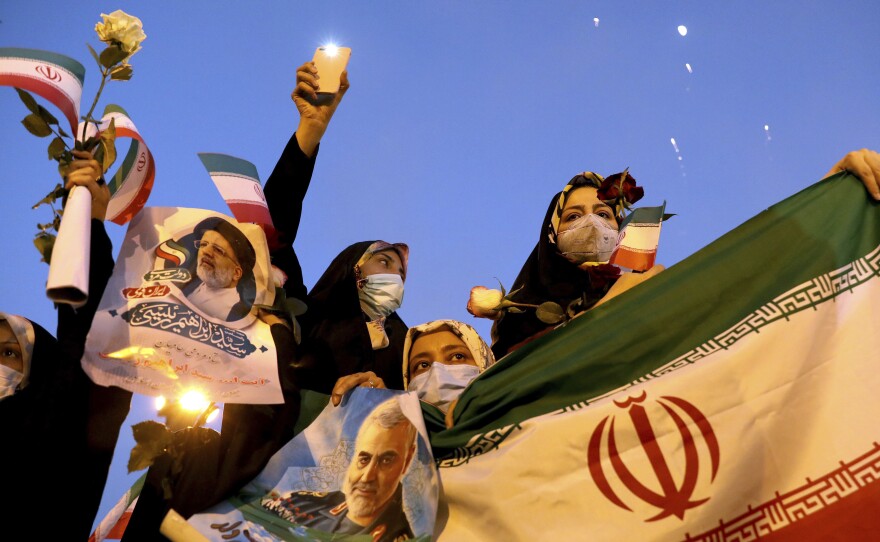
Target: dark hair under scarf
(549, 276)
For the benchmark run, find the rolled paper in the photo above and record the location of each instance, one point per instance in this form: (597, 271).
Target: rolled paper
(176, 529)
(69, 266)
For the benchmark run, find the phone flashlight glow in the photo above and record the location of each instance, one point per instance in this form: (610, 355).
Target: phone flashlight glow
(331, 49)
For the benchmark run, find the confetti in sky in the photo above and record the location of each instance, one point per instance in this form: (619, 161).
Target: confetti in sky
(682, 29)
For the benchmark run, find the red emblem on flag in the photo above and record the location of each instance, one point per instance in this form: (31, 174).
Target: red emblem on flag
(48, 72)
(259, 192)
(675, 495)
(142, 161)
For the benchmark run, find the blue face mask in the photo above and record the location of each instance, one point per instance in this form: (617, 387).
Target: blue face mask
(441, 383)
(381, 294)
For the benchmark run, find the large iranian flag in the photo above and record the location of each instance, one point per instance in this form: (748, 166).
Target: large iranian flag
(735, 396)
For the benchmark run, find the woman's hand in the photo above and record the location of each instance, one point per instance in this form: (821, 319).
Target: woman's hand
(86, 171)
(349, 382)
(627, 281)
(314, 117)
(864, 164)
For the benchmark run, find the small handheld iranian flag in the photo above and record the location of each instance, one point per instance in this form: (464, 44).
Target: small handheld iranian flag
(638, 239)
(114, 523)
(239, 184)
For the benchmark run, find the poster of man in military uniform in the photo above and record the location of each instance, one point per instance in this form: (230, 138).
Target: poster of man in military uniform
(370, 501)
(362, 470)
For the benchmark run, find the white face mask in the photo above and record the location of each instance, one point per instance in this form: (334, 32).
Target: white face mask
(441, 383)
(9, 380)
(381, 294)
(590, 239)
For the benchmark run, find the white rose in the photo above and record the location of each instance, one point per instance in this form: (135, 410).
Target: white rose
(121, 29)
(485, 303)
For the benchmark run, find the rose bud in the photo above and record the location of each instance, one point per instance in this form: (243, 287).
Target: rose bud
(485, 303)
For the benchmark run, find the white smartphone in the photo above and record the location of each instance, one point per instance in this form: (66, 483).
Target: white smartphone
(331, 62)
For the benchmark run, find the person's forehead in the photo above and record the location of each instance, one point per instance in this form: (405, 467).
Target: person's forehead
(583, 195)
(435, 340)
(6, 333)
(375, 439)
(214, 236)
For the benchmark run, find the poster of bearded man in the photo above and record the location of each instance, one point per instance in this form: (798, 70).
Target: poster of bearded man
(180, 310)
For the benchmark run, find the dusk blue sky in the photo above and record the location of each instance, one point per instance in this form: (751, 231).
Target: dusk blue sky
(463, 119)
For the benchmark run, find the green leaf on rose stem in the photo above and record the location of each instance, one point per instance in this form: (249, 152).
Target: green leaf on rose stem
(51, 197)
(152, 439)
(45, 242)
(515, 310)
(503, 291)
(46, 116)
(61, 132)
(108, 145)
(36, 125)
(90, 143)
(123, 72)
(56, 148)
(63, 168)
(549, 313)
(28, 100)
(94, 54)
(112, 56)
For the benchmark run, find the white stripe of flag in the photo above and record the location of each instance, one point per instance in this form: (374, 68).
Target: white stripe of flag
(55, 77)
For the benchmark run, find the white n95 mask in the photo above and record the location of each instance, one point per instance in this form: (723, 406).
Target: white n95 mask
(590, 239)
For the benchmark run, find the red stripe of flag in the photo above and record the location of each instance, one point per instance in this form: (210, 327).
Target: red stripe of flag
(47, 91)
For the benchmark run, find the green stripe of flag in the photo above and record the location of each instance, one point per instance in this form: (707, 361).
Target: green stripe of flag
(224, 163)
(645, 215)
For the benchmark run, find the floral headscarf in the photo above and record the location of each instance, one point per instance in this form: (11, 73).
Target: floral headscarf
(619, 191)
(24, 332)
(479, 349)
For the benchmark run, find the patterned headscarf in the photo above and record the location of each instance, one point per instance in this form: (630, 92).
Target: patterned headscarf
(479, 349)
(24, 332)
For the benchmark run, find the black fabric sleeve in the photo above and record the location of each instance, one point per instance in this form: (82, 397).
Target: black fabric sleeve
(285, 191)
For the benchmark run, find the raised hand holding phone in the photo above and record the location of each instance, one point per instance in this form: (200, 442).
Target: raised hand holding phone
(316, 105)
(330, 61)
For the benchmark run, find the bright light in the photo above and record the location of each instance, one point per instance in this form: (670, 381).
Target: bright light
(213, 415)
(682, 30)
(688, 67)
(130, 352)
(766, 127)
(159, 402)
(331, 49)
(194, 401)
